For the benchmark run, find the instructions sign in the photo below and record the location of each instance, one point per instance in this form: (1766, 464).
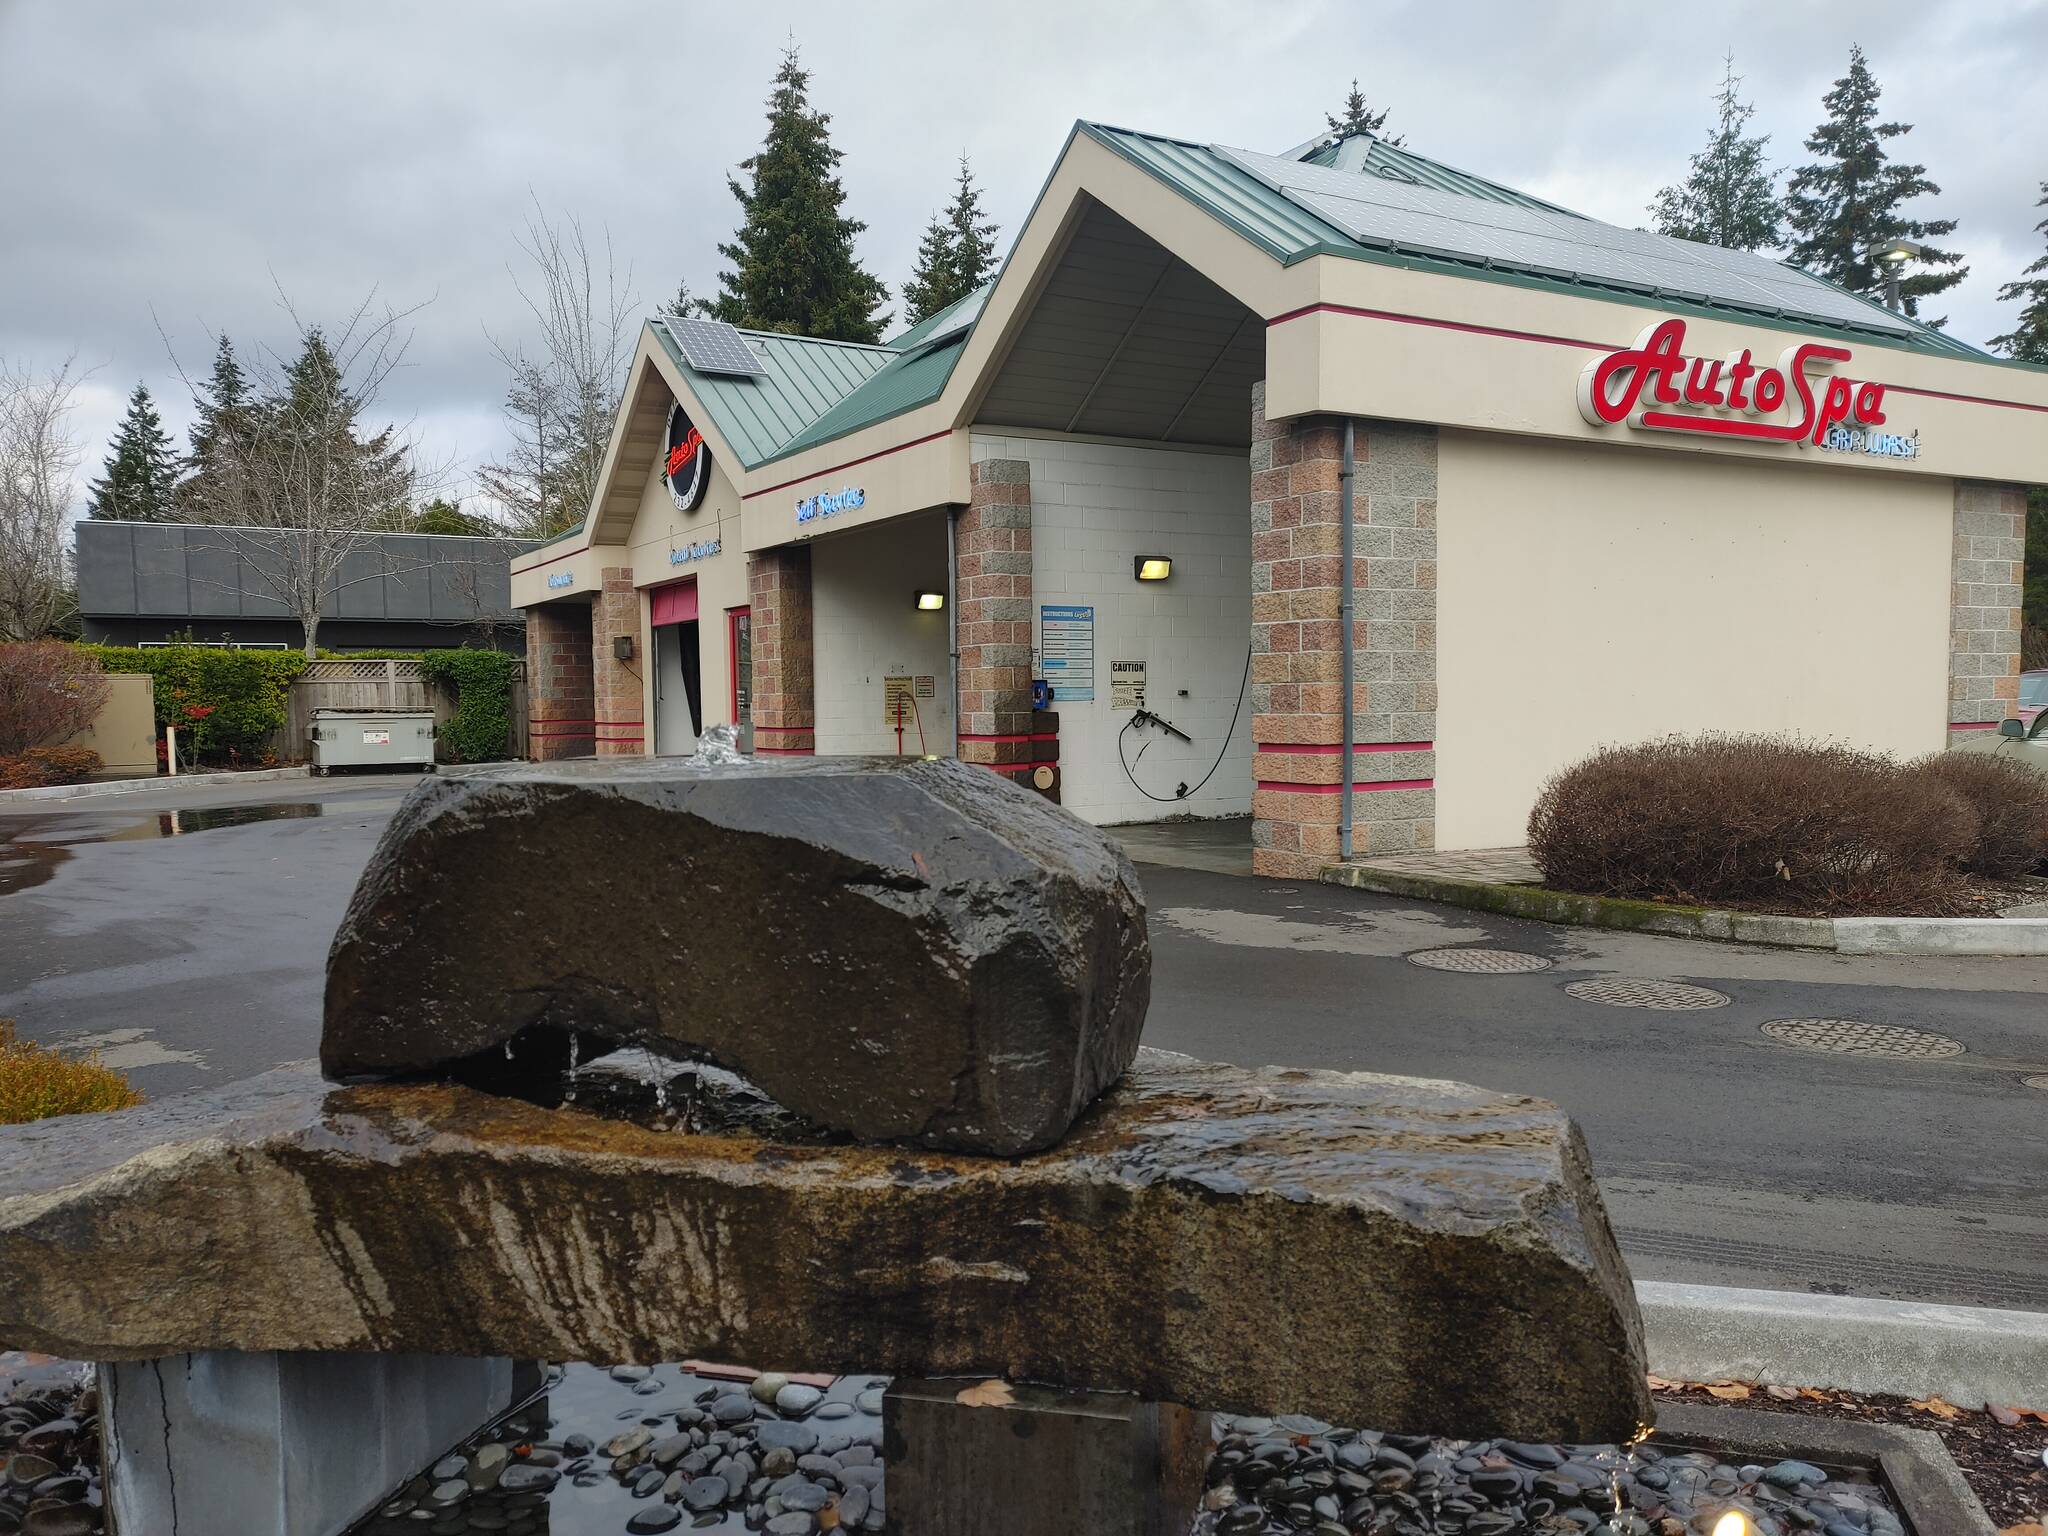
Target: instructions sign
(1127, 685)
(899, 700)
(1066, 651)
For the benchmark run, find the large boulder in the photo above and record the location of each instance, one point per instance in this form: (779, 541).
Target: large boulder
(1372, 1250)
(902, 949)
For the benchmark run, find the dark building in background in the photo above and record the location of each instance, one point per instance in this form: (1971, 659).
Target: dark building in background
(150, 583)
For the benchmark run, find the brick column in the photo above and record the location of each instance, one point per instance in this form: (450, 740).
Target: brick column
(559, 718)
(1986, 572)
(1297, 660)
(992, 544)
(785, 700)
(621, 731)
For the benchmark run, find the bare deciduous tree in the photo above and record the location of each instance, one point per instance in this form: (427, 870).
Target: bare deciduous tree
(565, 386)
(38, 456)
(308, 488)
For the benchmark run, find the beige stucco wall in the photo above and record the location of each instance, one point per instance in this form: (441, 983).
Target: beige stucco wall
(1589, 595)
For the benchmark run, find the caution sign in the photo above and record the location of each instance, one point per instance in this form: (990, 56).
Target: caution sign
(899, 699)
(1127, 685)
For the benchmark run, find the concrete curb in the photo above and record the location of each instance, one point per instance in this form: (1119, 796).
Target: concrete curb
(1968, 1355)
(156, 781)
(1849, 935)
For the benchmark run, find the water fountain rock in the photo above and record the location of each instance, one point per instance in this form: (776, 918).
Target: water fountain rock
(904, 949)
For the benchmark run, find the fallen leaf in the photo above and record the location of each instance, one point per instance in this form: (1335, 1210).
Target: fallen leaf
(1659, 1384)
(1815, 1396)
(2031, 1528)
(1727, 1391)
(993, 1393)
(2005, 1415)
(1783, 1394)
(1937, 1407)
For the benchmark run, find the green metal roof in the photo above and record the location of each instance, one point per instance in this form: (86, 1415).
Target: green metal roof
(805, 379)
(1365, 155)
(931, 325)
(915, 377)
(1290, 233)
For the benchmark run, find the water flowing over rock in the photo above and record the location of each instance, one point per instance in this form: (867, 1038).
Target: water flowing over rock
(1365, 1249)
(903, 949)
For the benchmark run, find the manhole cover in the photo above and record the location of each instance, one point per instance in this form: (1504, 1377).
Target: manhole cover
(2038, 1080)
(1634, 992)
(1854, 1037)
(1479, 962)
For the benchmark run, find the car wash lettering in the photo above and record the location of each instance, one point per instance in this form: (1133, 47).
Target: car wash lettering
(1654, 385)
(829, 503)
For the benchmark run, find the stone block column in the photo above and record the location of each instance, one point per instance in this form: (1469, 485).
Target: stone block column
(620, 699)
(992, 545)
(560, 717)
(1986, 574)
(785, 700)
(1297, 640)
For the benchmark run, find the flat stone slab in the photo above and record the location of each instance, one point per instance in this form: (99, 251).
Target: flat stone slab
(904, 949)
(1421, 1255)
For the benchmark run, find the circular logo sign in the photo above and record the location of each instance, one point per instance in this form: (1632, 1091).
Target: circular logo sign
(686, 469)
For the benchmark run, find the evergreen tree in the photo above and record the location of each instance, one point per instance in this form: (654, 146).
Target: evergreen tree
(222, 428)
(684, 304)
(447, 517)
(1843, 206)
(139, 482)
(793, 266)
(957, 254)
(1357, 117)
(2028, 340)
(1727, 198)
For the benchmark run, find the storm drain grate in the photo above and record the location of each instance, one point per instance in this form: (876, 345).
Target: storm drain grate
(1479, 962)
(1855, 1037)
(1636, 992)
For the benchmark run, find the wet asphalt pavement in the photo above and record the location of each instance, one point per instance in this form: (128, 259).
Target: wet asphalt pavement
(184, 933)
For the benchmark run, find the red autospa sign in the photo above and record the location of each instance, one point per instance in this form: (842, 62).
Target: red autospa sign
(1654, 385)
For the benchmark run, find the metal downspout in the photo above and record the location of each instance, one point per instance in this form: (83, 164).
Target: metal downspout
(1347, 607)
(953, 618)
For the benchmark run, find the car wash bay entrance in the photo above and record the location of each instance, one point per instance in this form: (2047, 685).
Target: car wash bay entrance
(678, 678)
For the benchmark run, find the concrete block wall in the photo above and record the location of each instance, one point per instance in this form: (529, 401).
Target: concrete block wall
(561, 718)
(785, 683)
(867, 627)
(1986, 575)
(1094, 506)
(1297, 639)
(618, 686)
(994, 546)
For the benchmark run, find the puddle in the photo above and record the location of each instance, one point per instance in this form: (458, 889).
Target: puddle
(35, 846)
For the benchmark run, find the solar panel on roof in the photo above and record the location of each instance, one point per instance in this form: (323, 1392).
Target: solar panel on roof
(1426, 221)
(712, 346)
(964, 316)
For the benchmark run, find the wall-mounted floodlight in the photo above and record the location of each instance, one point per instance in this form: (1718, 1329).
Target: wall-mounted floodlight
(1151, 567)
(930, 602)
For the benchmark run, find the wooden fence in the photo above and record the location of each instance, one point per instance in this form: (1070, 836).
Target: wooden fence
(387, 684)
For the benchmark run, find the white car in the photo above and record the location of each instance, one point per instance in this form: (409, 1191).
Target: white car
(2021, 741)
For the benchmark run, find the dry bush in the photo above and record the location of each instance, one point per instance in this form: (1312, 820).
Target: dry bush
(40, 767)
(36, 1083)
(1754, 821)
(2011, 802)
(49, 691)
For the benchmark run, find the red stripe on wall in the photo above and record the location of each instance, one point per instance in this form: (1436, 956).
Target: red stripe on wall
(1357, 788)
(1974, 725)
(784, 751)
(1029, 736)
(820, 474)
(1336, 748)
(785, 729)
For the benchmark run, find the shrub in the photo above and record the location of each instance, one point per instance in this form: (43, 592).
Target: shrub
(49, 691)
(482, 684)
(42, 766)
(1753, 821)
(227, 701)
(2011, 802)
(36, 1083)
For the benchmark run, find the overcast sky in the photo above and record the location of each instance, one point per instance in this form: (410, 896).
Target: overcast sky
(162, 161)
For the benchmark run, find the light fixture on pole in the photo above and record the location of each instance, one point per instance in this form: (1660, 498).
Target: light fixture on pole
(1892, 255)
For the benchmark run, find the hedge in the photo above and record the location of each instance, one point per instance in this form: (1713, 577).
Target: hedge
(230, 701)
(482, 684)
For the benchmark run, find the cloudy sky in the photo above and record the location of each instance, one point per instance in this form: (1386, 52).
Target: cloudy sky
(175, 165)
